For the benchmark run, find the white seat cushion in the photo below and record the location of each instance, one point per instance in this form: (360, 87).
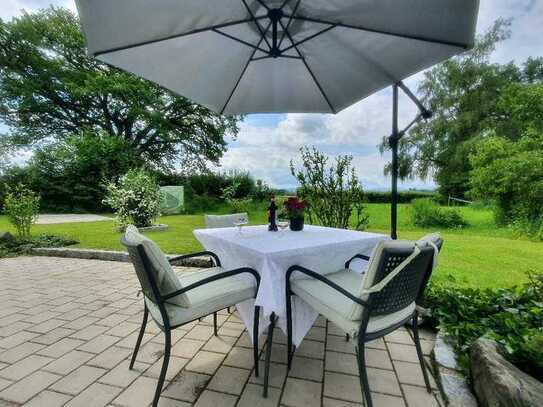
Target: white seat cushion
(165, 277)
(337, 308)
(207, 298)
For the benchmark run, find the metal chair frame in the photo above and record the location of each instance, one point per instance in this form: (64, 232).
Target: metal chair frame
(368, 308)
(160, 299)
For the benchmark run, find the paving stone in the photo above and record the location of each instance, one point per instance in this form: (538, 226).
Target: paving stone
(61, 347)
(229, 380)
(252, 396)
(19, 352)
(377, 358)
(301, 393)
(25, 389)
(5, 383)
(278, 374)
(24, 367)
(139, 393)
(418, 396)
(406, 353)
(306, 368)
(411, 373)
(341, 362)
(110, 357)
(205, 362)
(186, 348)
(339, 344)
(316, 333)
(121, 376)
(231, 329)
(168, 402)
(53, 336)
(400, 336)
(17, 339)
(47, 326)
(220, 344)
(278, 353)
(99, 344)
(326, 402)
(68, 362)
(213, 399)
(78, 380)
(123, 329)
(200, 332)
(187, 386)
(240, 357)
(175, 365)
(341, 386)
(311, 349)
(96, 395)
(89, 332)
(383, 381)
(130, 341)
(48, 399)
(385, 400)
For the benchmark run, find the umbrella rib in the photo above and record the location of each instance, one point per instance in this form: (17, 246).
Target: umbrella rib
(255, 47)
(243, 71)
(288, 22)
(393, 34)
(257, 24)
(171, 37)
(309, 70)
(310, 37)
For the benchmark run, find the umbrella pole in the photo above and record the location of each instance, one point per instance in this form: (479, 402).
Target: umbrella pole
(393, 141)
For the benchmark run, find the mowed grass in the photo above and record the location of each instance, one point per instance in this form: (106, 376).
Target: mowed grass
(480, 255)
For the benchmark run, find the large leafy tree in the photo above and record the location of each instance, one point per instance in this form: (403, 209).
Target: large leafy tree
(468, 95)
(50, 90)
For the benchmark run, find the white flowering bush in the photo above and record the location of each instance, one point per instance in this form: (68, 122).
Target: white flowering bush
(135, 198)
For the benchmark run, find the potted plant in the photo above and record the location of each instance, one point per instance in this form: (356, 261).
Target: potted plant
(295, 210)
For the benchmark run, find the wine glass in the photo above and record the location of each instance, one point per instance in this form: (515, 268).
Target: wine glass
(282, 223)
(240, 222)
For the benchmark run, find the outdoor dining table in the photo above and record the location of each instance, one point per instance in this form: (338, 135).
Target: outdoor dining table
(272, 253)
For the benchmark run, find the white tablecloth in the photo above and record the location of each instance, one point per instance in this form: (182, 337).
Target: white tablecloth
(321, 249)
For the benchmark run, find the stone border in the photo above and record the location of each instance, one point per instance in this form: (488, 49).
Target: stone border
(453, 385)
(110, 255)
(153, 228)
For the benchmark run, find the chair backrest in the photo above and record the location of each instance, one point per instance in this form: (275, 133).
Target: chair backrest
(153, 269)
(402, 290)
(224, 221)
(436, 241)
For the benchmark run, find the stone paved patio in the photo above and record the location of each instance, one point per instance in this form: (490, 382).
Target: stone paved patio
(67, 329)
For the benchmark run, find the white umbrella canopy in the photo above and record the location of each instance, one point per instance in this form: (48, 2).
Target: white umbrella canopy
(276, 56)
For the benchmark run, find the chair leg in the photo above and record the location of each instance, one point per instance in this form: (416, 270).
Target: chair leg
(364, 383)
(290, 350)
(140, 336)
(268, 354)
(228, 310)
(215, 323)
(255, 338)
(346, 337)
(419, 352)
(165, 361)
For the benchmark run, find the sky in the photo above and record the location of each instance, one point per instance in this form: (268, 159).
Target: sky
(357, 130)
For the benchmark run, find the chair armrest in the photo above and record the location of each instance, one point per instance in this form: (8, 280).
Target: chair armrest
(326, 281)
(198, 254)
(356, 256)
(216, 277)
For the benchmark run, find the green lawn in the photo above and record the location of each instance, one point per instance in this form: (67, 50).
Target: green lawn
(480, 255)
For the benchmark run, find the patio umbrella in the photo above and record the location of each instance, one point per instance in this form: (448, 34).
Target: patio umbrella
(278, 56)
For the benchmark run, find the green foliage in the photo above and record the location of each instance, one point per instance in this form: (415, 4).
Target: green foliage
(468, 95)
(135, 198)
(332, 191)
(262, 191)
(24, 245)
(511, 173)
(230, 193)
(51, 89)
(513, 317)
(425, 212)
(22, 206)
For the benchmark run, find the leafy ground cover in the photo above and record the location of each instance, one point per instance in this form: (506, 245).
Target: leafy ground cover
(480, 255)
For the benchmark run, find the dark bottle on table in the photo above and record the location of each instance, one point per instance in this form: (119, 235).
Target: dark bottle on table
(272, 211)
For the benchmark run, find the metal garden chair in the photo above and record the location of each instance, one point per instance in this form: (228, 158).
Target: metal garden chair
(174, 300)
(373, 304)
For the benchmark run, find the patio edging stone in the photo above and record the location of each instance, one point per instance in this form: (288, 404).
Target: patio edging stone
(453, 385)
(110, 255)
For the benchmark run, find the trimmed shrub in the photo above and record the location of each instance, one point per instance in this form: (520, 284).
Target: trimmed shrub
(403, 197)
(427, 213)
(135, 198)
(22, 206)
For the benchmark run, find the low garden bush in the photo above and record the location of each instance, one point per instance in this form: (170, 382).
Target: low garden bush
(513, 317)
(427, 213)
(135, 198)
(22, 205)
(19, 246)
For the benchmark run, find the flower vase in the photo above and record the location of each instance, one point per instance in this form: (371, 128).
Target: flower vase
(296, 224)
